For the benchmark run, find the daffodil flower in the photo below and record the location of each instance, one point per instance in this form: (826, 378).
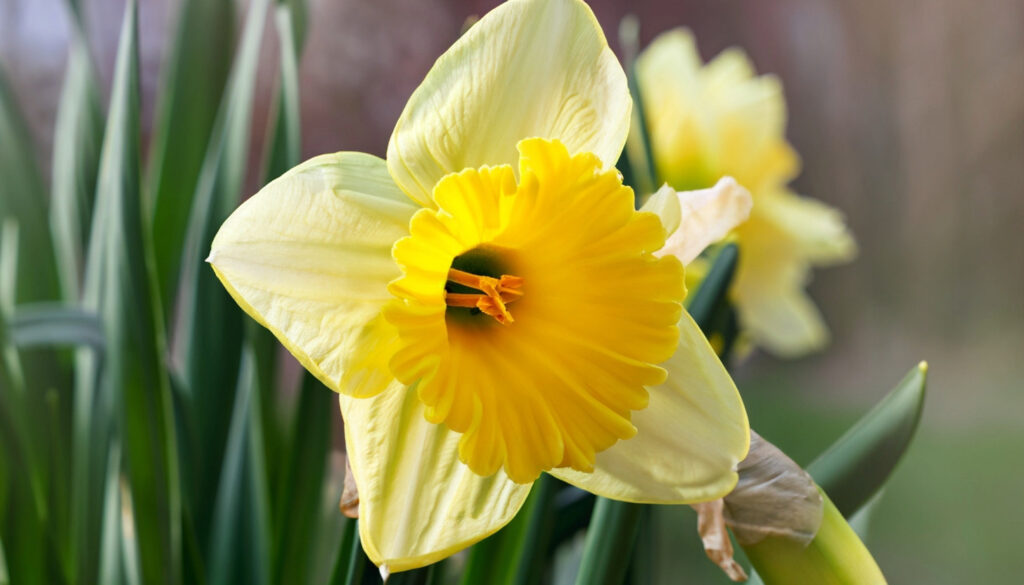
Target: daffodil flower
(487, 301)
(720, 119)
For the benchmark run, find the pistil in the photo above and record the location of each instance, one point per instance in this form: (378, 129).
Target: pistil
(497, 293)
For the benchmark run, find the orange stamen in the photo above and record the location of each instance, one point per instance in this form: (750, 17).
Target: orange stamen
(498, 292)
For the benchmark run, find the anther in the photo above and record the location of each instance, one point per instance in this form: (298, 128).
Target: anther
(497, 293)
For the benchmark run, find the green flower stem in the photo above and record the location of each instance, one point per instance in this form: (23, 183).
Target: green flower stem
(539, 534)
(836, 556)
(349, 534)
(610, 540)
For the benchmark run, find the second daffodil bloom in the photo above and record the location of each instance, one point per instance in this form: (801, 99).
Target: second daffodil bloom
(721, 119)
(487, 301)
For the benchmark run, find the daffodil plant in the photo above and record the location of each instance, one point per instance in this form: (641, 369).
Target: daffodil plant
(706, 121)
(487, 301)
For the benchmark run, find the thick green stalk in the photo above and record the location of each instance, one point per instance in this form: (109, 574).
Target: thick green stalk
(836, 556)
(539, 534)
(609, 543)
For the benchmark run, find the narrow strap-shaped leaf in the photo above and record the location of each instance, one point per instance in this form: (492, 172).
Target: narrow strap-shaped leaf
(25, 522)
(343, 556)
(33, 277)
(111, 561)
(121, 288)
(859, 463)
(209, 341)
(711, 295)
(638, 145)
(297, 509)
(257, 526)
(284, 130)
(233, 558)
(5, 579)
(609, 543)
(489, 559)
(14, 377)
(23, 197)
(573, 510)
(284, 152)
(192, 80)
(78, 136)
(538, 536)
(47, 324)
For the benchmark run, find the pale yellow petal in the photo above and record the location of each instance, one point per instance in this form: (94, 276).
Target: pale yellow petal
(817, 228)
(665, 204)
(417, 502)
(309, 257)
(705, 217)
(689, 439)
(791, 234)
(781, 319)
(529, 68)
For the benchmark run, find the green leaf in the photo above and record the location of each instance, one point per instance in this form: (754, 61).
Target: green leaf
(284, 130)
(284, 152)
(297, 509)
(860, 520)
(111, 561)
(609, 543)
(78, 136)
(361, 570)
(33, 277)
(638, 147)
(573, 510)
(859, 463)
(711, 297)
(239, 551)
(10, 361)
(343, 557)
(23, 197)
(5, 579)
(47, 324)
(191, 83)
(257, 527)
(133, 381)
(209, 341)
(492, 559)
(25, 521)
(532, 554)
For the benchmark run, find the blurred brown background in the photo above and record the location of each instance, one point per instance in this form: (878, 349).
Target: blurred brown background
(909, 116)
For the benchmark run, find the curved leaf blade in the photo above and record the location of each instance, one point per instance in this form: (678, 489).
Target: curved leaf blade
(191, 84)
(132, 387)
(711, 297)
(859, 463)
(210, 338)
(23, 197)
(76, 152)
(46, 324)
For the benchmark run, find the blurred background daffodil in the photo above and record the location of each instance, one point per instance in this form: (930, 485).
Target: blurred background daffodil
(706, 121)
